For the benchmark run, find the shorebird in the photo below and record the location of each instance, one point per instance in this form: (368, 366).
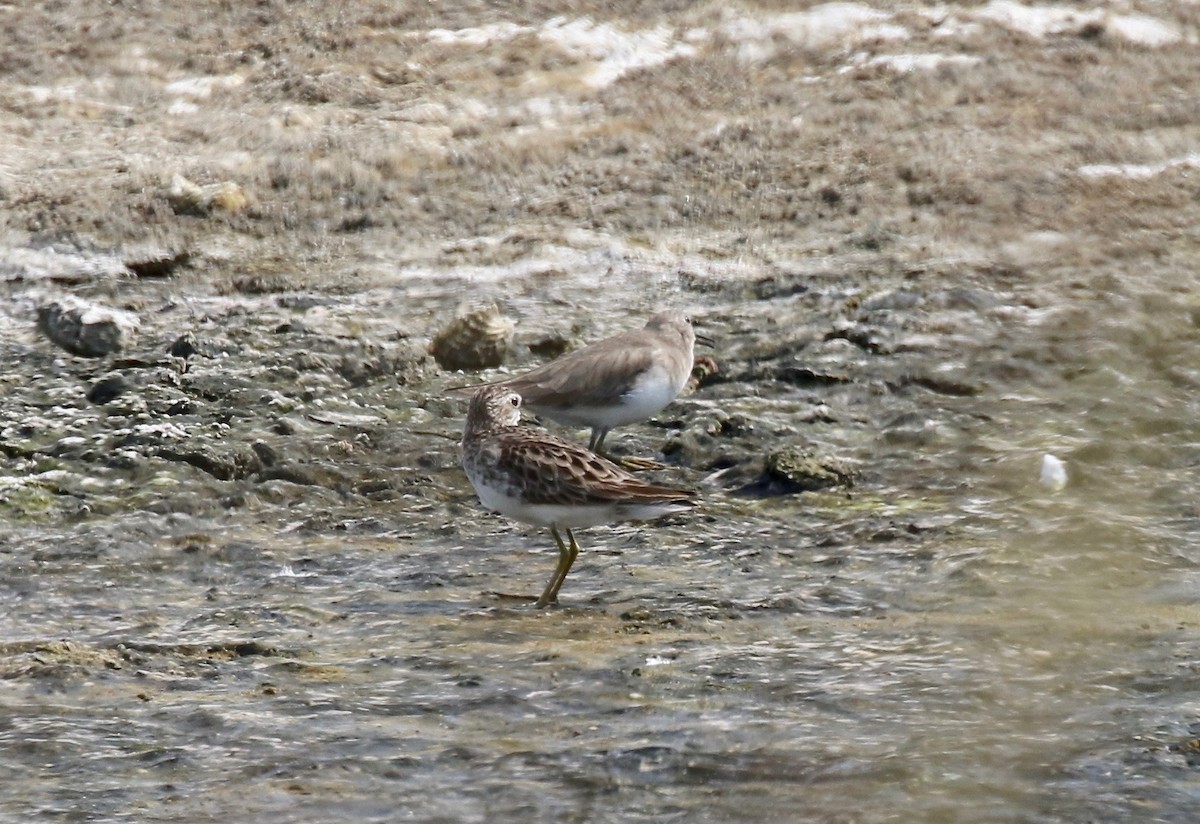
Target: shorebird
(615, 381)
(532, 476)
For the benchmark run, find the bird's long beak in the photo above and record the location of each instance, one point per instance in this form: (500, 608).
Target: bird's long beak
(705, 340)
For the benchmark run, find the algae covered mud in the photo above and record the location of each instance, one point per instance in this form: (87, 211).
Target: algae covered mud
(242, 575)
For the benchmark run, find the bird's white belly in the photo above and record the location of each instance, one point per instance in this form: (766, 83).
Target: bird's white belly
(652, 392)
(568, 516)
(542, 514)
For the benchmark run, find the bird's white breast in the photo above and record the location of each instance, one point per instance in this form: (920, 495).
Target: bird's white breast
(652, 391)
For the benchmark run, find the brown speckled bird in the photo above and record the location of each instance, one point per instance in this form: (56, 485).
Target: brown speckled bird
(529, 475)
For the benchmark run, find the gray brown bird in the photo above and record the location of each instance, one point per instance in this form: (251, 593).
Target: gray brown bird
(619, 380)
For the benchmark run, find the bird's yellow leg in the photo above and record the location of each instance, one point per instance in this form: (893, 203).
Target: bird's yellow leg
(565, 559)
(572, 554)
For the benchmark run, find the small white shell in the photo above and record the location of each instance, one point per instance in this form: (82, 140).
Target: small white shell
(1054, 473)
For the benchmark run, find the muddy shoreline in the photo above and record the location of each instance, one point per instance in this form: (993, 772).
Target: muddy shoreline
(241, 570)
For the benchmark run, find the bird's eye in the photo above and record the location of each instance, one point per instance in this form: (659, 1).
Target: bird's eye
(515, 400)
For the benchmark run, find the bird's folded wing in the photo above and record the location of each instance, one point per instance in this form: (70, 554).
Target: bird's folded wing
(606, 373)
(555, 471)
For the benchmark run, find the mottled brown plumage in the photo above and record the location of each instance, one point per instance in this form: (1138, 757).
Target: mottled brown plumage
(532, 476)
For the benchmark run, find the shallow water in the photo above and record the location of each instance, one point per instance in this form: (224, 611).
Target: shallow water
(933, 243)
(949, 641)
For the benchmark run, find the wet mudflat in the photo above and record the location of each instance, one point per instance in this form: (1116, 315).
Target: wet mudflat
(242, 575)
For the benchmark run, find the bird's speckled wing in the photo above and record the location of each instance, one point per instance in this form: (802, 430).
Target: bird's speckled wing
(551, 470)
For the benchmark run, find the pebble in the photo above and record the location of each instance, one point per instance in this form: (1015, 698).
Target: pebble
(797, 469)
(159, 265)
(108, 388)
(84, 328)
(476, 340)
(1054, 473)
(188, 198)
(184, 346)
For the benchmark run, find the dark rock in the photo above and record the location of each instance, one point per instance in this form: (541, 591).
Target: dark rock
(805, 470)
(291, 474)
(302, 302)
(265, 452)
(184, 346)
(780, 286)
(135, 363)
(121, 461)
(947, 386)
(82, 328)
(550, 347)
(181, 407)
(108, 388)
(873, 339)
(805, 376)
(356, 223)
(796, 469)
(222, 467)
(158, 267)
